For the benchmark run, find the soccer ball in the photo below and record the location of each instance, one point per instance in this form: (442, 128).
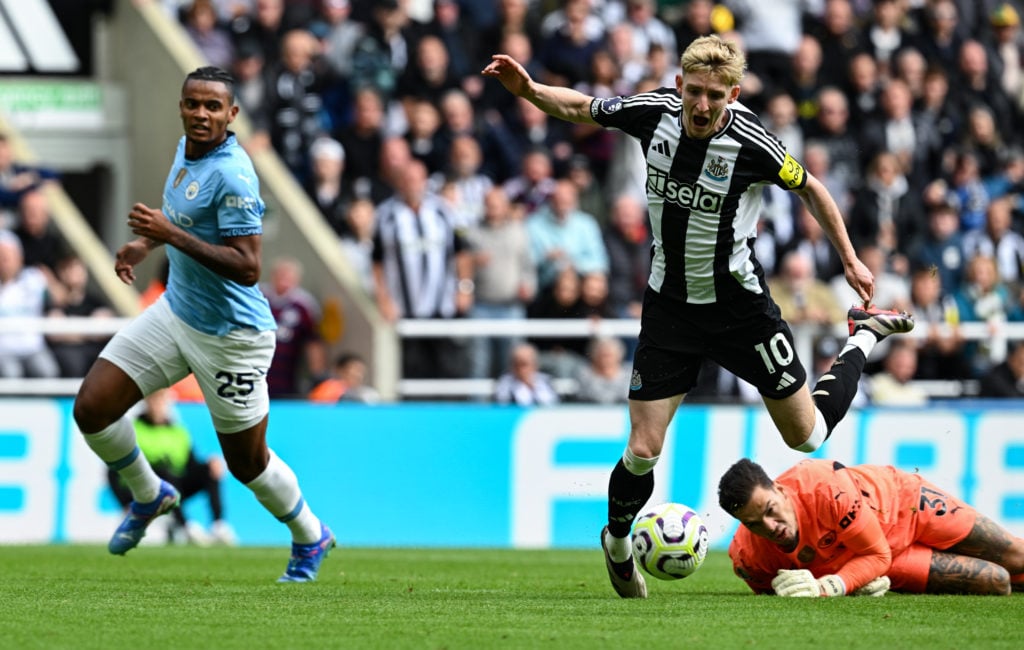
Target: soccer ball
(670, 541)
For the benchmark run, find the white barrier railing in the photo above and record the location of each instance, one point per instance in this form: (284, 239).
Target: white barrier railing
(469, 328)
(803, 335)
(555, 327)
(530, 327)
(84, 325)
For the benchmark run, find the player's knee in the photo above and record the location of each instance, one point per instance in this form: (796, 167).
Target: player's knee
(104, 396)
(1013, 557)
(643, 450)
(999, 582)
(807, 446)
(245, 467)
(80, 412)
(244, 471)
(645, 441)
(994, 580)
(88, 414)
(817, 435)
(638, 464)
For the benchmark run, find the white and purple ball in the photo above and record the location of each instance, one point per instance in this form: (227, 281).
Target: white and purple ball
(670, 541)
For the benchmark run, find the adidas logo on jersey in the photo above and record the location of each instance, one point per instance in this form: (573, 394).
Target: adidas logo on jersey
(785, 381)
(663, 148)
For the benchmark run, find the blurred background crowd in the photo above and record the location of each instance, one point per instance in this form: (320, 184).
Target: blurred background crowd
(910, 111)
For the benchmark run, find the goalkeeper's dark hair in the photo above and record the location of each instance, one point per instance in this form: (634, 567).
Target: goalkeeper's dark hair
(213, 73)
(738, 483)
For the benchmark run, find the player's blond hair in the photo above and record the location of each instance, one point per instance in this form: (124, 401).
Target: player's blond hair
(722, 58)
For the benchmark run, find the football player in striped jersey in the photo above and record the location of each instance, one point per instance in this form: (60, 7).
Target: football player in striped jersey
(708, 159)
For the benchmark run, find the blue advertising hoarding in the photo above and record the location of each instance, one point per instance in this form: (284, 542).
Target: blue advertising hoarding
(477, 475)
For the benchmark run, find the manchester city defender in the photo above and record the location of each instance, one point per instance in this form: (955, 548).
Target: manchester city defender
(212, 321)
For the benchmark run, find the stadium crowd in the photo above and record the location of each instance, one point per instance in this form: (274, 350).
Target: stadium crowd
(909, 111)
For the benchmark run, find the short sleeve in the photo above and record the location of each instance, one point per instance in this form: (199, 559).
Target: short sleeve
(606, 111)
(840, 501)
(636, 115)
(240, 208)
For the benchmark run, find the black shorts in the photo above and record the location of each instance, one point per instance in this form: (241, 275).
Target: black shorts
(745, 335)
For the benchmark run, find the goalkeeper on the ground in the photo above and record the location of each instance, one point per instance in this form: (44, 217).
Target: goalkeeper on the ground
(825, 529)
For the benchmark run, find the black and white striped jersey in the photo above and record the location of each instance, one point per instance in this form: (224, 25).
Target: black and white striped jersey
(704, 196)
(417, 249)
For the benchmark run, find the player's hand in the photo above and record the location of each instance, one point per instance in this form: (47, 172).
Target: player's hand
(150, 223)
(875, 588)
(127, 257)
(796, 583)
(861, 280)
(831, 586)
(509, 72)
(801, 583)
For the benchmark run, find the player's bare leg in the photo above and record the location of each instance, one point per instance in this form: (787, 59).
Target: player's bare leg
(987, 543)
(951, 573)
(107, 392)
(793, 416)
(246, 452)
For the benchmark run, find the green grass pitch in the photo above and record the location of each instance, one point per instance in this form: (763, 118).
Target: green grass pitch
(219, 598)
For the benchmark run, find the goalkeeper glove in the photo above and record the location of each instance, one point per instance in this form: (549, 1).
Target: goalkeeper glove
(876, 588)
(801, 583)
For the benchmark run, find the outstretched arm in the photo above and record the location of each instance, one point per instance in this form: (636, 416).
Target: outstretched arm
(564, 103)
(824, 208)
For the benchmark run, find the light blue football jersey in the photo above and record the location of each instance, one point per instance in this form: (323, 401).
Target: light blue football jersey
(214, 197)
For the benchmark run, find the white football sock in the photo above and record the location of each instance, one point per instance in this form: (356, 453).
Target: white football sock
(817, 436)
(277, 488)
(619, 548)
(116, 446)
(862, 339)
(636, 465)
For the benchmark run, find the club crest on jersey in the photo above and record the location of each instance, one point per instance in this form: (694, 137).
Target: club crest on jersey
(717, 169)
(192, 191)
(636, 383)
(828, 539)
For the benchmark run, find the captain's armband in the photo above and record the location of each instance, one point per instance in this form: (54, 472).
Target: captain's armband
(792, 173)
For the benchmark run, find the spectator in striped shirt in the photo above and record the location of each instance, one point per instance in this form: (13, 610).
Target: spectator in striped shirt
(422, 269)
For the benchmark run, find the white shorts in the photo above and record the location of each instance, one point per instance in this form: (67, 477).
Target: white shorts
(158, 349)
